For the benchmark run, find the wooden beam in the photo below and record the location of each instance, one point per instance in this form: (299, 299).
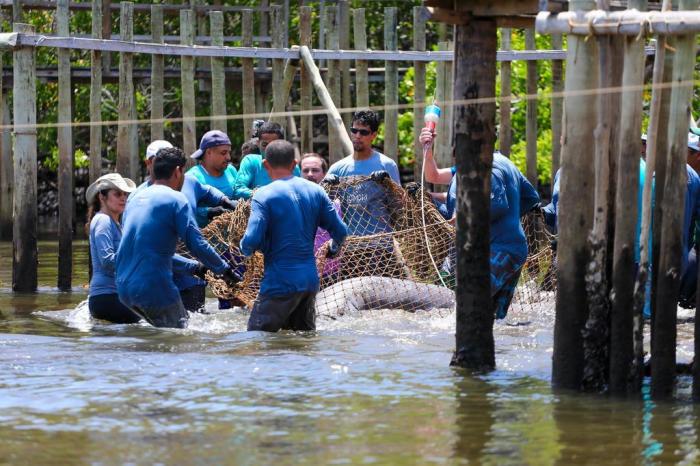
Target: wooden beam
(126, 96)
(96, 95)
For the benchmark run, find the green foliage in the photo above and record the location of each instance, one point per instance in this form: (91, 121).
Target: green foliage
(544, 159)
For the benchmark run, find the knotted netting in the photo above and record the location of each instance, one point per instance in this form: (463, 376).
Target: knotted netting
(396, 255)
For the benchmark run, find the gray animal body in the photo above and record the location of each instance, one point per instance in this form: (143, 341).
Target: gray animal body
(368, 293)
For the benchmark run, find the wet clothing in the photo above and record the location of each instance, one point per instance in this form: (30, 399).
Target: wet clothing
(284, 218)
(108, 307)
(505, 273)
(105, 235)
(252, 175)
(154, 220)
(202, 196)
(193, 298)
(289, 312)
(172, 315)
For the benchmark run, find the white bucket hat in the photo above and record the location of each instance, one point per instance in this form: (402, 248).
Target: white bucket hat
(109, 181)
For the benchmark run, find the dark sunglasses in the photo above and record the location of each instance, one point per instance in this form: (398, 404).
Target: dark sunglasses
(363, 132)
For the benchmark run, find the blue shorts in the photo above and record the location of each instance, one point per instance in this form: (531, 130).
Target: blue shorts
(505, 273)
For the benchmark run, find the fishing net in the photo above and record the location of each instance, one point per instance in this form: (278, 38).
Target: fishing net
(396, 256)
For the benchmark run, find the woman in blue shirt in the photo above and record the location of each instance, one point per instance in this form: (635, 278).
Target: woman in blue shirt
(106, 200)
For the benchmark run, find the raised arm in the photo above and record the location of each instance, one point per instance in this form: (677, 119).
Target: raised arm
(189, 232)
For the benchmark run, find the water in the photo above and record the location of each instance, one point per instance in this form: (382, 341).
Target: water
(374, 388)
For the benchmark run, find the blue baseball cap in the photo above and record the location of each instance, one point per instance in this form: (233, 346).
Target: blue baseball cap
(693, 142)
(211, 139)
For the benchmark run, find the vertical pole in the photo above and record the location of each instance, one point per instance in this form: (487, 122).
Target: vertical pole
(65, 154)
(277, 63)
(24, 239)
(361, 66)
(96, 95)
(106, 31)
(629, 148)
(391, 88)
(475, 78)
(418, 88)
(531, 117)
(307, 133)
(505, 135)
(248, 78)
(344, 44)
(575, 208)
(557, 111)
(442, 149)
(6, 170)
(218, 74)
(157, 69)
(189, 129)
(126, 95)
(263, 30)
(335, 148)
(663, 354)
(16, 11)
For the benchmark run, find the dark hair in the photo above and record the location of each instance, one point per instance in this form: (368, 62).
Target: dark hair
(165, 162)
(93, 208)
(270, 127)
(308, 155)
(279, 153)
(250, 147)
(368, 118)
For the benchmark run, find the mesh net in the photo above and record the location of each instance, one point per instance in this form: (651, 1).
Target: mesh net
(395, 256)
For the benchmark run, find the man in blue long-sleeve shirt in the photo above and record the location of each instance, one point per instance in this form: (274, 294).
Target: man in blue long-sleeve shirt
(154, 220)
(512, 196)
(284, 218)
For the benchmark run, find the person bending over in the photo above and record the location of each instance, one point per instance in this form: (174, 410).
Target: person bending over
(252, 174)
(284, 218)
(154, 220)
(106, 199)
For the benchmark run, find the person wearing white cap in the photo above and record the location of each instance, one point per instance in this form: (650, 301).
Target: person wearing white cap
(106, 199)
(154, 220)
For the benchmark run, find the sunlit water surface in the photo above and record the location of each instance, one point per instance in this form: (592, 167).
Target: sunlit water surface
(373, 388)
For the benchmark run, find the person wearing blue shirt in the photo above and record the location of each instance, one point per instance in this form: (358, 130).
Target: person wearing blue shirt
(154, 220)
(106, 199)
(251, 173)
(512, 196)
(691, 217)
(285, 216)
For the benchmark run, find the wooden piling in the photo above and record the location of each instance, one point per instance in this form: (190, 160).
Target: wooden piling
(6, 167)
(157, 69)
(442, 148)
(189, 127)
(344, 44)
(663, 354)
(418, 90)
(285, 88)
(106, 32)
(126, 97)
(531, 111)
(307, 133)
(475, 78)
(629, 149)
(65, 154)
(575, 208)
(361, 66)
(248, 73)
(16, 11)
(505, 134)
(96, 95)
(277, 63)
(24, 209)
(557, 105)
(391, 88)
(218, 75)
(335, 150)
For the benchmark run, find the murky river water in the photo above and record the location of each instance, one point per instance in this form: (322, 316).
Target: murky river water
(375, 388)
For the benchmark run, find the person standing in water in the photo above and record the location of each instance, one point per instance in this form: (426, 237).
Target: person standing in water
(284, 218)
(106, 199)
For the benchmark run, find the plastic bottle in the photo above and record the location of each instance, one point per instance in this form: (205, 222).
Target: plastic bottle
(432, 116)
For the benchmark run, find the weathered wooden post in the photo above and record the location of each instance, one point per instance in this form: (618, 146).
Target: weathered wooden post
(668, 272)
(24, 210)
(96, 95)
(505, 135)
(361, 66)
(531, 111)
(157, 69)
(189, 127)
(418, 88)
(575, 207)
(307, 133)
(629, 149)
(125, 133)
(65, 154)
(248, 73)
(277, 63)
(344, 44)
(442, 150)
(557, 105)
(391, 88)
(218, 75)
(335, 151)
(6, 171)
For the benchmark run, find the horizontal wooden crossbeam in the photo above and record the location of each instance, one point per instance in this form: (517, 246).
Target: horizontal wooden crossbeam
(628, 22)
